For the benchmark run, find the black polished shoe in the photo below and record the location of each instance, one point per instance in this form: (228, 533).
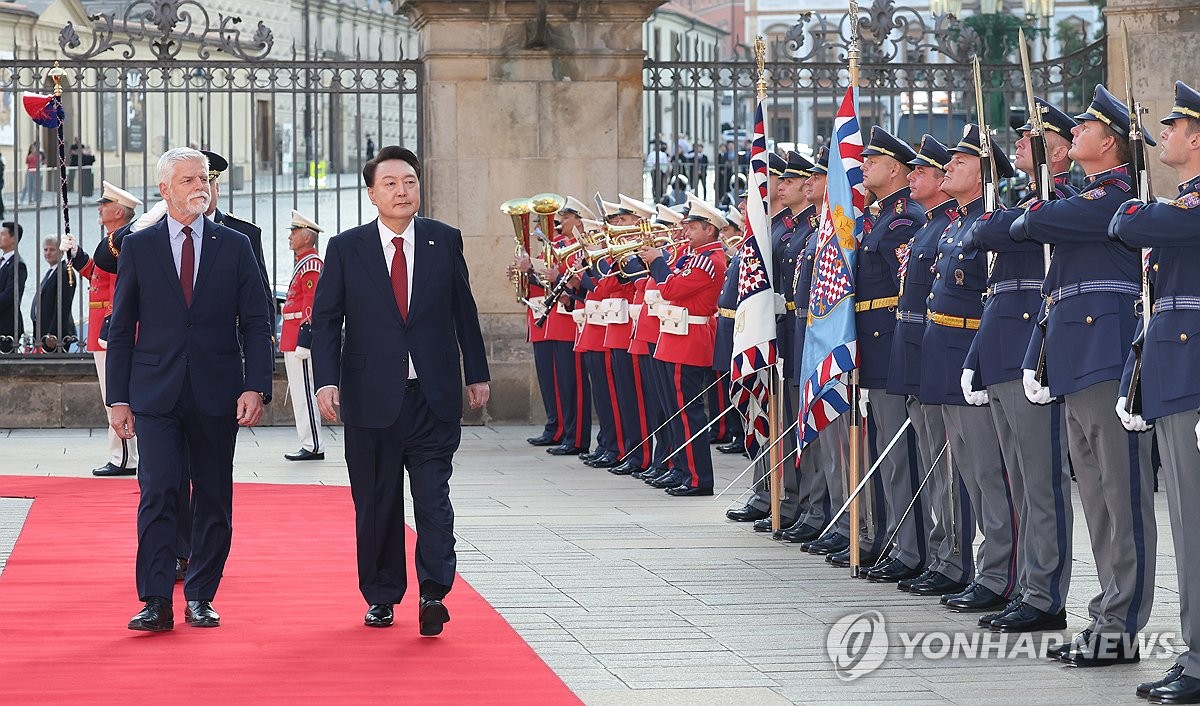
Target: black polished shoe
(1143, 689)
(977, 599)
(649, 473)
(433, 615)
(906, 584)
(653, 474)
(603, 462)
(669, 480)
(764, 525)
(893, 571)
(1078, 641)
(799, 533)
(200, 614)
(306, 455)
(985, 620)
(1184, 690)
(962, 591)
(565, 450)
(685, 491)
(543, 440)
(1026, 618)
(379, 615)
(112, 469)
(937, 585)
(841, 559)
(734, 447)
(625, 469)
(1103, 651)
(157, 616)
(829, 544)
(181, 564)
(746, 513)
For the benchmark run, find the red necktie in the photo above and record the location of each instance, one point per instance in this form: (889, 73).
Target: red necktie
(400, 277)
(187, 265)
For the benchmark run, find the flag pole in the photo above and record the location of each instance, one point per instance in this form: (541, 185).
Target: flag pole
(855, 416)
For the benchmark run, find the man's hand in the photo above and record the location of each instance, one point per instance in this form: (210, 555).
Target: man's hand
(302, 353)
(327, 399)
(249, 408)
(69, 245)
(649, 255)
(121, 420)
(477, 394)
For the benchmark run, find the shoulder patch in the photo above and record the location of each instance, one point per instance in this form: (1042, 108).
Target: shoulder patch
(1189, 200)
(900, 223)
(1093, 194)
(1119, 183)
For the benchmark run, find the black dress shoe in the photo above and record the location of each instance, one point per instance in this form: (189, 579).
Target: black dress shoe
(842, 558)
(625, 469)
(1184, 690)
(764, 525)
(734, 447)
(379, 615)
(799, 533)
(829, 544)
(956, 594)
(1081, 639)
(200, 614)
(977, 599)
(651, 472)
(669, 480)
(181, 565)
(603, 462)
(565, 450)
(306, 455)
(684, 491)
(1143, 689)
(746, 513)
(985, 620)
(1026, 618)
(906, 584)
(156, 616)
(543, 440)
(937, 585)
(112, 469)
(433, 615)
(1103, 651)
(892, 572)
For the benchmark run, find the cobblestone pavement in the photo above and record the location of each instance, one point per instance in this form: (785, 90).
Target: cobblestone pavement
(636, 598)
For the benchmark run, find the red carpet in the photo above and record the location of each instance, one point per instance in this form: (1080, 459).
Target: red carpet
(290, 610)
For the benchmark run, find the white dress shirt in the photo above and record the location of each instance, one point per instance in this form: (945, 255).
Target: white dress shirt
(410, 251)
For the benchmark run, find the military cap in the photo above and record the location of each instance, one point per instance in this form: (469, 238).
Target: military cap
(822, 163)
(113, 194)
(797, 166)
(776, 164)
(610, 209)
(1054, 119)
(734, 216)
(575, 206)
(969, 144)
(591, 226)
(702, 211)
(931, 153)
(1187, 103)
(633, 206)
(1107, 109)
(299, 220)
(216, 164)
(668, 215)
(883, 143)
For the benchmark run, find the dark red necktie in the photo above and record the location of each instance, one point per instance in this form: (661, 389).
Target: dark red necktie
(400, 277)
(187, 265)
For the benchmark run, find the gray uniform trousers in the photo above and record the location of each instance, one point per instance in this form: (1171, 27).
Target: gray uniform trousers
(1180, 461)
(943, 554)
(792, 505)
(1116, 489)
(831, 453)
(815, 487)
(901, 475)
(1033, 442)
(976, 453)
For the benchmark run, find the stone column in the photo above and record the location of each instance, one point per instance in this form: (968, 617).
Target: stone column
(1163, 36)
(520, 98)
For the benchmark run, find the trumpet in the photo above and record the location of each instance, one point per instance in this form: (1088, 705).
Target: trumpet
(641, 230)
(521, 213)
(734, 241)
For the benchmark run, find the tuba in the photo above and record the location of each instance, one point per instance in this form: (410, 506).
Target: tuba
(521, 213)
(545, 206)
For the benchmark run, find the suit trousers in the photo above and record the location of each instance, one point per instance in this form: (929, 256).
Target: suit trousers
(1116, 489)
(207, 442)
(376, 460)
(304, 401)
(121, 452)
(948, 513)
(901, 475)
(543, 367)
(693, 455)
(1177, 443)
(975, 453)
(1033, 442)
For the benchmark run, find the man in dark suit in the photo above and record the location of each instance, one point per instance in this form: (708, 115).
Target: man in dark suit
(49, 310)
(398, 382)
(216, 167)
(12, 283)
(190, 291)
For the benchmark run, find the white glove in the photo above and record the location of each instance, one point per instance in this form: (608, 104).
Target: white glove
(1198, 435)
(862, 401)
(1131, 422)
(69, 245)
(1034, 391)
(150, 217)
(970, 394)
(780, 304)
(303, 353)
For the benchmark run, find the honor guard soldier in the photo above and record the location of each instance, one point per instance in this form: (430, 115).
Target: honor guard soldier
(731, 236)
(1170, 379)
(955, 307)
(1091, 292)
(945, 572)
(1032, 438)
(687, 333)
(894, 219)
(116, 208)
(216, 167)
(295, 339)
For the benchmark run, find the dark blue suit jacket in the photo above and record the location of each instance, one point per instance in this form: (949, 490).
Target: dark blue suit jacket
(371, 365)
(154, 338)
(12, 285)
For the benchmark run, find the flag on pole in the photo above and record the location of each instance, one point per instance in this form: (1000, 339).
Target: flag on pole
(831, 344)
(754, 350)
(45, 110)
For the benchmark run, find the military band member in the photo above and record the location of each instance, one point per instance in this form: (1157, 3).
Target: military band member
(1091, 290)
(216, 167)
(955, 307)
(894, 219)
(1031, 436)
(1170, 386)
(729, 436)
(295, 338)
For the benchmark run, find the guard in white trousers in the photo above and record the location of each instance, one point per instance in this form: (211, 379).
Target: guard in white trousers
(296, 337)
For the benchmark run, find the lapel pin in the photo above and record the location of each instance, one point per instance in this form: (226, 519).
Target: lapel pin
(431, 242)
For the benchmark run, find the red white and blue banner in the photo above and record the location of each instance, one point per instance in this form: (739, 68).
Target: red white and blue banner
(831, 344)
(754, 351)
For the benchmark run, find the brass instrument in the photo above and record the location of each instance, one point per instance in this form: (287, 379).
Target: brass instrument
(545, 206)
(521, 213)
(734, 241)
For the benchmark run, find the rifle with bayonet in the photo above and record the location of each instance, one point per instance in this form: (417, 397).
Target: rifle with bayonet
(1043, 180)
(987, 164)
(1141, 186)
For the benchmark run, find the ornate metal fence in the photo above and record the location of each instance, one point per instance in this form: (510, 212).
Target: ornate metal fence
(295, 131)
(915, 78)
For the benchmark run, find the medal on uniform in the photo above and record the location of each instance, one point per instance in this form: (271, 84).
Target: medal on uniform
(959, 277)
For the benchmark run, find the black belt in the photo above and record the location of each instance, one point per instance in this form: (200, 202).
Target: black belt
(412, 384)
